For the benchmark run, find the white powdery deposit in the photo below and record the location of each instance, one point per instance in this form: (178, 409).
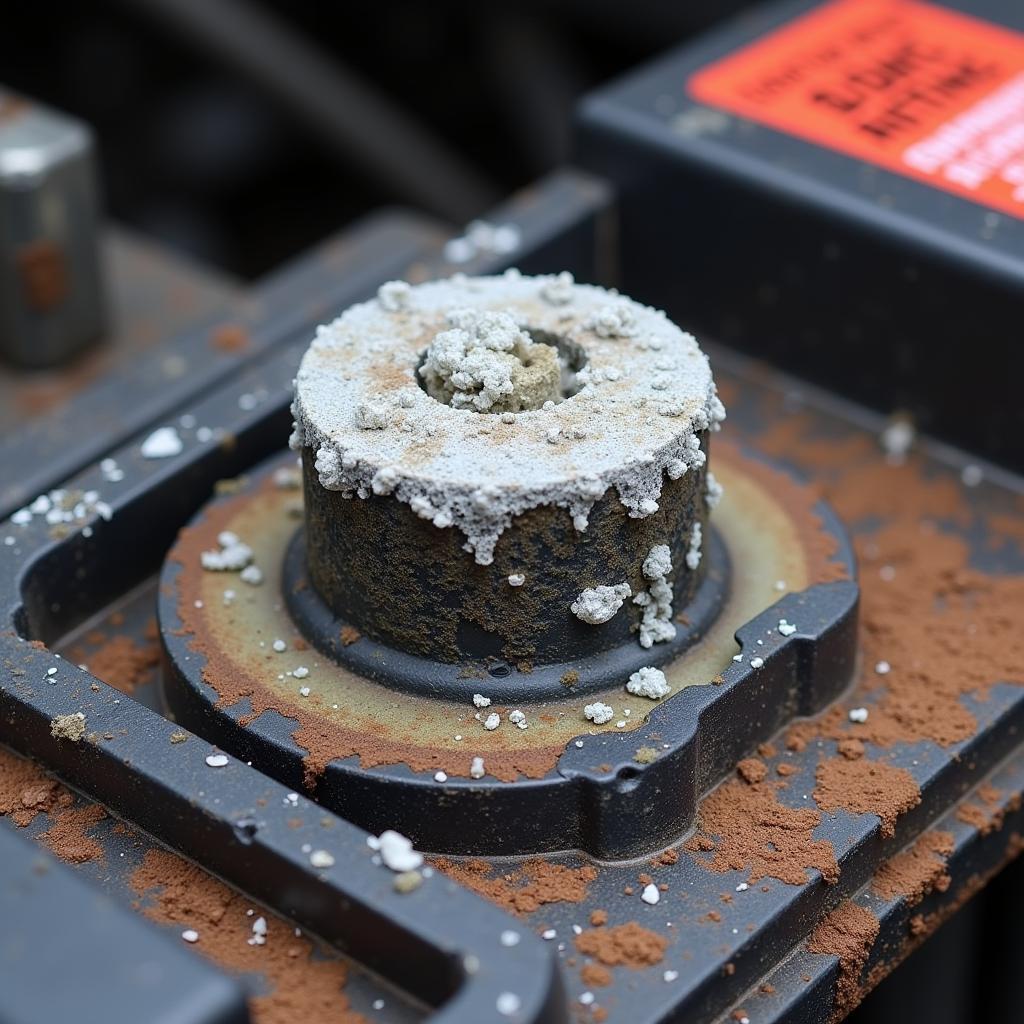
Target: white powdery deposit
(641, 404)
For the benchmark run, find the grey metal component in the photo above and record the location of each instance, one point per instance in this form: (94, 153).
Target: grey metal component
(51, 293)
(61, 934)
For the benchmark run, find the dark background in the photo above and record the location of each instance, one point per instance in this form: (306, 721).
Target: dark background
(240, 134)
(207, 150)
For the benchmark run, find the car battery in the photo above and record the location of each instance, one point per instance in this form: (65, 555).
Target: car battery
(838, 188)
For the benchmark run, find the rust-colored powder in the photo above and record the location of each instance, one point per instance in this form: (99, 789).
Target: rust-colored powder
(25, 790)
(866, 787)
(68, 835)
(229, 338)
(625, 945)
(748, 828)
(848, 932)
(303, 987)
(752, 770)
(595, 976)
(523, 891)
(598, 917)
(917, 871)
(120, 661)
(988, 810)
(945, 628)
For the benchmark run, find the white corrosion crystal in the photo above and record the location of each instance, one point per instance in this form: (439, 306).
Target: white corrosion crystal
(598, 713)
(598, 604)
(488, 363)
(650, 894)
(453, 463)
(231, 556)
(397, 853)
(163, 443)
(693, 554)
(371, 416)
(394, 296)
(713, 490)
(476, 768)
(656, 625)
(649, 682)
(558, 290)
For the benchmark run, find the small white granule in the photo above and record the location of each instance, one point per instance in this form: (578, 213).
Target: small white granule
(163, 443)
(557, 291)
(216, 760)
(259, 932)
(587, 998)
(492, 721)
(304, 691)
(883, 668)
(397, 853)
(897, 439)
(598, 713)
(713, 490)
(650, 894)
(321, 859)
(742, 887)
(786, 628)
(190, 935)
(649, 682)
(279, 646)
(693, 553)
(301, 672)
(613, 322)
(394, 296)
(548, 934)
(508, 1004)
(252, 575)
(517, 579)
(598, 604)
(440, 776)
(971, 475)
(517, 718)
(231, 555)
(858, 714)
(510, 938)
(670, 976)
(476, 768)
(756, 662)
(480, 701)
(780, 585)
(371, 416)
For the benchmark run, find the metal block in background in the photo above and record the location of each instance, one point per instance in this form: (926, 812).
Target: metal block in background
(769, 235)
(51, 292)
(61, 936)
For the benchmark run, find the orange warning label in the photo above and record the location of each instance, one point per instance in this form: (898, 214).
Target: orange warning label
(915, 88)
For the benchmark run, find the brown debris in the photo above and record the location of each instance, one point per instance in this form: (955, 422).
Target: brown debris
(305, 982)
(916, 871)
(752, 770)
(120, 662)
(625, 945)
(229, 338)
(68, 835)
(987, 811)
(595, 976)
(866, 787)
(748, 828)
(524, 890)
(848, 932)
